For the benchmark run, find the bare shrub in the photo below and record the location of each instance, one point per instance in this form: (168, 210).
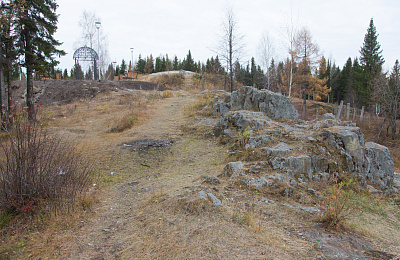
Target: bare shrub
(338, 204)
(174, 81)
(127, 121)
(40, 171)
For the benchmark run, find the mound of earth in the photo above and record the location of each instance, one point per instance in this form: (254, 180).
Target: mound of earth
(56, 92)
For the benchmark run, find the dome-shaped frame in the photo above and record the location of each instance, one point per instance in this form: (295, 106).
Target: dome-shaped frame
(87, 54)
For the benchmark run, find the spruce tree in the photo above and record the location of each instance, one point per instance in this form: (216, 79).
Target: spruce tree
(140, 64)
(189, 62)
(39, 24)
(122, 68)
(371, 63)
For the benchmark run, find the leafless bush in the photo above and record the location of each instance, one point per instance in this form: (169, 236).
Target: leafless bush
(40, 171)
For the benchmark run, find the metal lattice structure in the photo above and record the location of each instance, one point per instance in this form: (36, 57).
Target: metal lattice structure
(87, 54)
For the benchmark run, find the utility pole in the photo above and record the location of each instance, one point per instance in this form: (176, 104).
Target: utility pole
(98, 24)
(131, 62)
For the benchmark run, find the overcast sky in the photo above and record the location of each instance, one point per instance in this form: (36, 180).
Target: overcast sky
(173, 27)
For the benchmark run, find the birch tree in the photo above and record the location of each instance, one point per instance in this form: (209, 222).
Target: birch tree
(231, 42)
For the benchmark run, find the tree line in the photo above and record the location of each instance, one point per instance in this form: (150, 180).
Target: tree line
(28, 26)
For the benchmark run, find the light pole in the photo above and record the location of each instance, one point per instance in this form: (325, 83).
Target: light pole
(132, 62)
(98, 24)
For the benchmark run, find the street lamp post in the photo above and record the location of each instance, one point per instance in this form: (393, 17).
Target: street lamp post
(132, 61)
(98, 24)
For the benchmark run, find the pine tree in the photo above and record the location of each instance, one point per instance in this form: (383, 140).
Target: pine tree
(122, 68)
(189, 63)
(345, 81)
(39, 24)
(65, 74)
(175, 63)
(371, 62)
(140, 64)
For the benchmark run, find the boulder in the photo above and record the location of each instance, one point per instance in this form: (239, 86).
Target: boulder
(280, 149)
(220, 108)
(231, 168)
(328, 116)
(259, 182)
(379, 166)
(254, 142)
(241, 120)
(214, 199)
(272, 104)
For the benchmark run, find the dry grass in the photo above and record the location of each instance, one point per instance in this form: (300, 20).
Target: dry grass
(153, 211)
(86, 123)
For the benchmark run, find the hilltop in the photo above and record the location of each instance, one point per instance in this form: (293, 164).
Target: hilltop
(185, 182)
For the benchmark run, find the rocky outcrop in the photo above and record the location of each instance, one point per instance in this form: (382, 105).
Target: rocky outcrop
(369, 161)
(241, 120)
(272, 104)
(320, 148)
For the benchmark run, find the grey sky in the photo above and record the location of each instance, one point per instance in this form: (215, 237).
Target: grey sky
(173, 27)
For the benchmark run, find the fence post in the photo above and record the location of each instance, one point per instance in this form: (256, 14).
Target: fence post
(348, 112)
(354, 113)
(340, 110)
(362, 113)
(202, 80)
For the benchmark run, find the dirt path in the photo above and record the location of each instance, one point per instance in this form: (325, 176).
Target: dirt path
(144, 173)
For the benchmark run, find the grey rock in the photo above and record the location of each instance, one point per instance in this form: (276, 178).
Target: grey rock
(311, 210)
(202, 195)
(211, 180)
(311, 139)
(242, 120)
(315, 193)
(293, 183)
(273, 105)
(280, 149)
(214, 200)
(328, 116)
(280, 177)
(379, 166)
(320, 176)
(288, 192)
(323, 124)
(340, 246)
(254, 142)
(293, 165)
(303, 178)
(229, 133)
(220, 108)
(259, 182)
(319, 164)
(268, 200)
(231, 168)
